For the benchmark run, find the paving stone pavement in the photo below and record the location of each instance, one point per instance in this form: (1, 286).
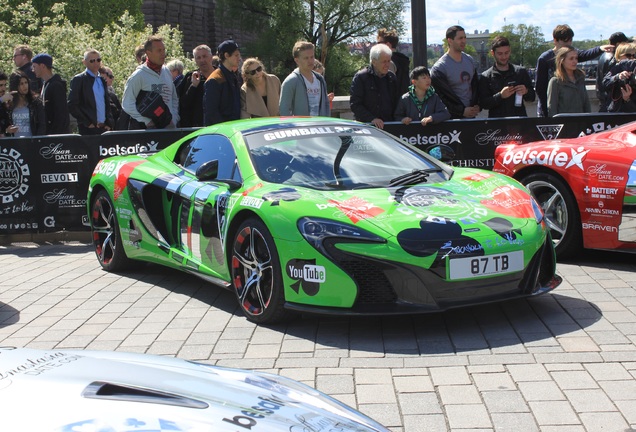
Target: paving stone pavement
(562, 362)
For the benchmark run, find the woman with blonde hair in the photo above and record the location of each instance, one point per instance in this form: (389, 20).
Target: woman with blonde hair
(625, 51)
(566, 89)
(260, 92)
(620, 81)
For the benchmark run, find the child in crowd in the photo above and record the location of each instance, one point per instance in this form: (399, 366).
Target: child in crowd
(421, 103)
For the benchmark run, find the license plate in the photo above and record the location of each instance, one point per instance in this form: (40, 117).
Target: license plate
(466, 268)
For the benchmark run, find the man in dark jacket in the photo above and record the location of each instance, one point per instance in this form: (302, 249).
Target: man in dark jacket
(190, 90)
(562, 36)
(53, 95)
(222, 95)
(504, 87)
(401, 63)
(88, 100)
(373, 94)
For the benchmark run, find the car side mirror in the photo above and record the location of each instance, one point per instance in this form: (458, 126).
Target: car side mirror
(441, 152)
(208, 170)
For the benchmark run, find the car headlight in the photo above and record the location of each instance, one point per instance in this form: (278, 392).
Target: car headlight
(538, 211)
(317, 230)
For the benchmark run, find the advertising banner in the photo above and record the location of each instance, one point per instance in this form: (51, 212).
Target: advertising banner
(44, 180)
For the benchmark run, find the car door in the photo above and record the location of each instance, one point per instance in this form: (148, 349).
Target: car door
(198, 209)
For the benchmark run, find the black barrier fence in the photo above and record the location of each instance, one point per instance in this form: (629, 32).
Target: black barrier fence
(44, 180)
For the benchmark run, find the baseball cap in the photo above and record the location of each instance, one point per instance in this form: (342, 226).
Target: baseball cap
(619, 37)
(44, 59)
(228, 46)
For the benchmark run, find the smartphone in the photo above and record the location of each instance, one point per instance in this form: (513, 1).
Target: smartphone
(512, 83)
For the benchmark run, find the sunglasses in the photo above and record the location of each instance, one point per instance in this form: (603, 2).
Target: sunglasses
(98, 60)
(628, 55)
(253, 71)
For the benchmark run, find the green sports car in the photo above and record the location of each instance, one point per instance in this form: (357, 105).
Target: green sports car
(321, 215)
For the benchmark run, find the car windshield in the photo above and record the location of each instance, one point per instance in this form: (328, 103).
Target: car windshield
(338, 157)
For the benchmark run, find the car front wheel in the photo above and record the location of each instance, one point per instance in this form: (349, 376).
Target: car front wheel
(256, 273)
(106, 235)
(560, 209)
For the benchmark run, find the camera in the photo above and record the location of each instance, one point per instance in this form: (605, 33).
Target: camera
(631, 81)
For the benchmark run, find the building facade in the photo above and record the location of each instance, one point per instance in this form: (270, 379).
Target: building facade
(480, 41)
(200, 21)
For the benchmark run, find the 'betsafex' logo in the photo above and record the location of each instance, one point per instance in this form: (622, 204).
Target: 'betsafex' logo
(553, 157)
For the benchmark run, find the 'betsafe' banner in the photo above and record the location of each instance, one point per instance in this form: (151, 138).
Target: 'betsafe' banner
(44, 180)
(474, 141)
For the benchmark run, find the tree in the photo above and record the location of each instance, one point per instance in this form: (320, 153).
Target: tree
(67, 41)
(326, 23)
(97, 14)
(526, 43)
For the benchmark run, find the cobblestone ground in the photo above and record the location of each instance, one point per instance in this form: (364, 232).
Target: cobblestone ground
(561, 362)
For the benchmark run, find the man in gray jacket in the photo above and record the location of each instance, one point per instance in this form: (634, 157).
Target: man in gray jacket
(151, 76)
(304, 92)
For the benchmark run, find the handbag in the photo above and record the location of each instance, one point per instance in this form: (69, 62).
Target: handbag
(150, 104)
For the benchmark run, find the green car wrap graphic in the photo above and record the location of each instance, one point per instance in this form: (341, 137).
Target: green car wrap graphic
(356, 241)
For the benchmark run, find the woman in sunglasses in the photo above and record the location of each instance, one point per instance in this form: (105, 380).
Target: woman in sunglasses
(260, 92)
(620, 81)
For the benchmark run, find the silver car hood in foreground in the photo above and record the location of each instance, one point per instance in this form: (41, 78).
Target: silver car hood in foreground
(102, 391)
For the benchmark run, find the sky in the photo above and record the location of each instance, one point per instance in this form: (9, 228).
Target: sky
(594, 19)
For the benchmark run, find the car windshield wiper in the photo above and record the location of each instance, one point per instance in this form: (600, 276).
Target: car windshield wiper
(415, 176)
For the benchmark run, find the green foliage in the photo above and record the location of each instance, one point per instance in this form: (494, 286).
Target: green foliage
(526, 43)
(326, 23)
(341, 67)
(67, 41)
(588, 43)
(95, 13)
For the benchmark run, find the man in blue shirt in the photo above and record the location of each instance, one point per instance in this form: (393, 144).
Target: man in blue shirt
(88, 100)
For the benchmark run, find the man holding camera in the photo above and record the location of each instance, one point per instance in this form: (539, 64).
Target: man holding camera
(504, 87)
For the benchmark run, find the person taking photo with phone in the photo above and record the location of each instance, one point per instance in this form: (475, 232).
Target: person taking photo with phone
(504, 87)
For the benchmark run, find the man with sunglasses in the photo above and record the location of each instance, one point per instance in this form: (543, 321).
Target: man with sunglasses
(53, 95)
(22, 55)
(562, 35)
(88, 100)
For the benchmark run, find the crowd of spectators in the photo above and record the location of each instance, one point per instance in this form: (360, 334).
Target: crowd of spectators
(224, 87)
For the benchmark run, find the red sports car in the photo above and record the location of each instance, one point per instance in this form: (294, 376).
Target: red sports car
(586, 186)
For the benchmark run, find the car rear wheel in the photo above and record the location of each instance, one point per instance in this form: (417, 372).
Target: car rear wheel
(256, 273)
(561, 212)
(106, 235)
